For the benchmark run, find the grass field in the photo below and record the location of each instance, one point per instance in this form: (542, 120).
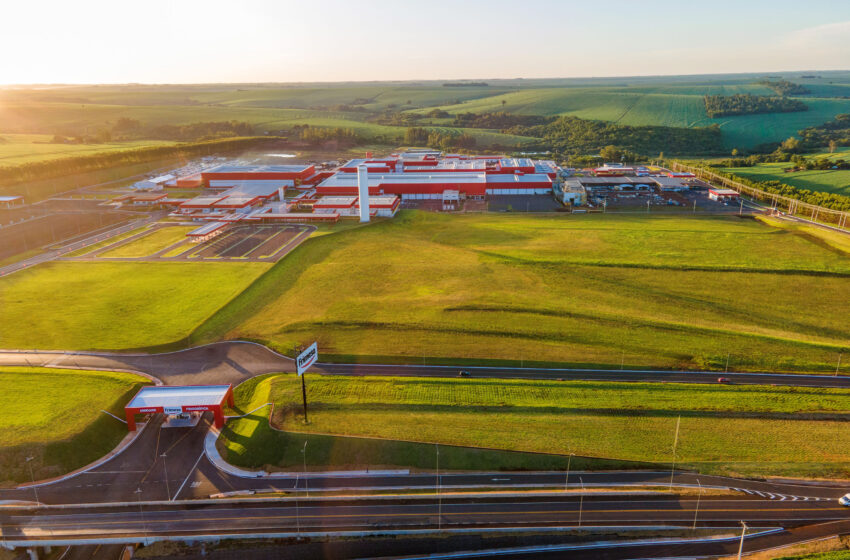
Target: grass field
(601, 290)
(159, 239)
(829, 180)
(746, 430)
(103, 305)
(55, 416)
(25, 148)
(106, 242)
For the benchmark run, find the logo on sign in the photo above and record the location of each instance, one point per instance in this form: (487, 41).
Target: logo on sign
(172, 409)
(144, 410)
(307, 358)
(195, 408)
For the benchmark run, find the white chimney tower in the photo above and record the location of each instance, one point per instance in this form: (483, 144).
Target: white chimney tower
(363, 191)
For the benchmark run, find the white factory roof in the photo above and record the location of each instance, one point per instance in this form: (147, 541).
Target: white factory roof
(170, 396)
(10, 198)
(336, 201)
(517, 178)
(227, 168)
(350, 179)
(161, 179)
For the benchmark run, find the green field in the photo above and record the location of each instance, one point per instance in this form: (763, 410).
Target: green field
(669, 101)
(55, 416)
(747, 430)
(829, 180)
(25, 148)
(103, 305)
(600, 290)
(159, 239)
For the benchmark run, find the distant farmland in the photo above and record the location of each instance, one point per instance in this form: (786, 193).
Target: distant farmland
(669, 101)
(827, 180)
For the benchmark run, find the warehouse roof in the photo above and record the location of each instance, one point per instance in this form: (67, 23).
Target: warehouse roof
(257, 169)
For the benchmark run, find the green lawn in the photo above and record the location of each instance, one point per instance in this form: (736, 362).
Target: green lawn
(829, 180)
(749, 430)
(106, 242)
(55, 416)
(600, 290)
(103, 305)
(159, 239)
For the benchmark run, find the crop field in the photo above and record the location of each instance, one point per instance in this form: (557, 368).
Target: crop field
(25, 148)
(748, 430)
(153, 242)
(665, 106)
(54, 415)
(601, 290)
(109, 305)
(827, 180)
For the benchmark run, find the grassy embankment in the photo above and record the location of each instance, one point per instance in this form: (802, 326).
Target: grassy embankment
(109, 305)
(157, 240)
(55, 416)
(827, 180)
(747, 430)
(594, 290)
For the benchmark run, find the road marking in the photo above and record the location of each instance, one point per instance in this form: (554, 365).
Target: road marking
(201, 456)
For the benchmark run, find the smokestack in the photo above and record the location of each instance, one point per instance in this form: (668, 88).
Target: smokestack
(363, 191)
(280, 192)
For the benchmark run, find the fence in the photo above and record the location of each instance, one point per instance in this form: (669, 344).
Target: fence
(790, 205)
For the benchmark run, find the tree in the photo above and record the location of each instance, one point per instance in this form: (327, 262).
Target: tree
(790, 144)
(504, 102)
(610, 153)
(734, 152)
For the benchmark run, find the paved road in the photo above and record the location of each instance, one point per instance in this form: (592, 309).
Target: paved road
(234, 362)
(335, 515)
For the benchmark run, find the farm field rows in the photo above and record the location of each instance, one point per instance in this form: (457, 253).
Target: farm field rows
(724, 429)
(585, 290)
(55, 415)
(109, 305)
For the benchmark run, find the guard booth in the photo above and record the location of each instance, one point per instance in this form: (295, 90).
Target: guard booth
(179, 400)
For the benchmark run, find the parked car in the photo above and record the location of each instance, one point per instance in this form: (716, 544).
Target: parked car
(723, 380)
(844, 500)
(463, 373)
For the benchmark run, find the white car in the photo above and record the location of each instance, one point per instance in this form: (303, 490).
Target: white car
(844, 500)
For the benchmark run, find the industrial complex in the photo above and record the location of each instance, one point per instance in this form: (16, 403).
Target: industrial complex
(240, 192)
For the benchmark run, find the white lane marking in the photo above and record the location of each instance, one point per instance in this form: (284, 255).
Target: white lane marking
(185, 480)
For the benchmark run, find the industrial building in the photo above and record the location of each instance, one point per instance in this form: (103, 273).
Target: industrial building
(11, 201)
(723, 195)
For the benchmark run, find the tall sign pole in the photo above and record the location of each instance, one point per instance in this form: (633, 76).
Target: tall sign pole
(302, 362)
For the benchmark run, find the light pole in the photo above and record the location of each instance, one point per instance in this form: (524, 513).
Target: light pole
(138, 493)
(697, 510)
(743, 532)
(675, 444)
(32, 476)
(580, 501)
(167, 487)
(297, 513)
(439, 494)
(839, 364)
(567, 478)
(306, 484)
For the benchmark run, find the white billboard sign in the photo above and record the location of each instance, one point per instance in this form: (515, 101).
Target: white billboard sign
(307, 358)
(172, 409)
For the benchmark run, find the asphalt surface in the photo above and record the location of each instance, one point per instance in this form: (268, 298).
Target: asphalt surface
(333, 515)
(234, 362)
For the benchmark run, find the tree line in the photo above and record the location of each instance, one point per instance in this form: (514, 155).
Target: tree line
(572, 135)
(418, 136)
(499, 120)
(748, 104)
(784, 87)
(126, 129)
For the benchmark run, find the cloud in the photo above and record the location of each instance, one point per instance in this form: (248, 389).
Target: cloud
(830, 37)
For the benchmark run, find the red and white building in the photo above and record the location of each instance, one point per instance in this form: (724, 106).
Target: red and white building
(176, 401)
(723, 195)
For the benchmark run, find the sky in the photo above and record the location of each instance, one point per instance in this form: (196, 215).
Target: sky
(194, 41)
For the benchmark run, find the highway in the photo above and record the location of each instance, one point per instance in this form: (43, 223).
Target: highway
(333, 516)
